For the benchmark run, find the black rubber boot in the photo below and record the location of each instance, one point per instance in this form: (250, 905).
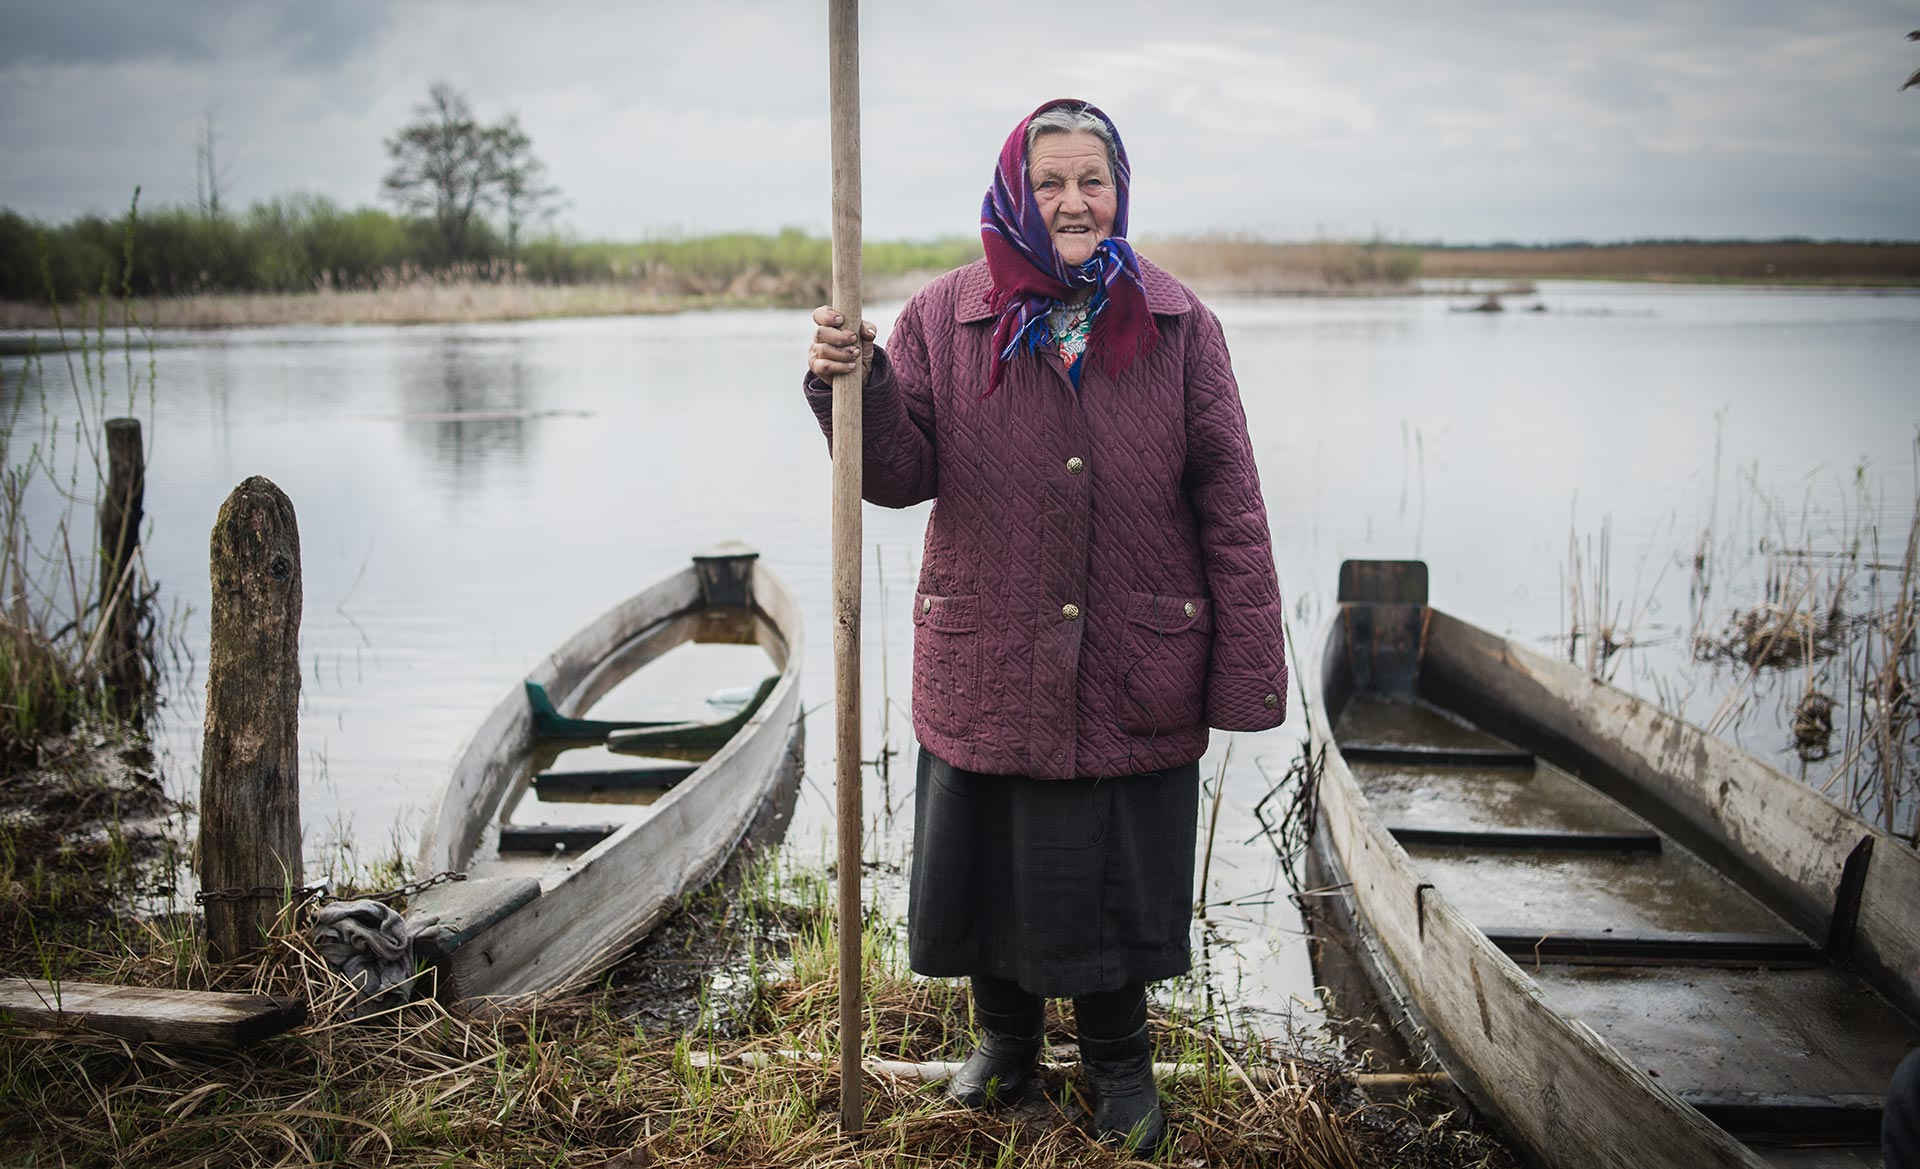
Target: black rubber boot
(1126, 1108)
(1010, 1022)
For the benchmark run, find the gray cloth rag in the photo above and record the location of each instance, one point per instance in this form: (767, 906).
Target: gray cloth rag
(370, 943)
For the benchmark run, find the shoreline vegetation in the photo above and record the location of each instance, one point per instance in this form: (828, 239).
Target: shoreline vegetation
(586, 1079)
(305, 261)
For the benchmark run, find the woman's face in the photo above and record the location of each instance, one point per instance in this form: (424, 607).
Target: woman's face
(1073, 184)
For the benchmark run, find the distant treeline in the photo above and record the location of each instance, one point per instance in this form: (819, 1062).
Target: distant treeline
(1658, 242)
(304, 244)
(1759, 261)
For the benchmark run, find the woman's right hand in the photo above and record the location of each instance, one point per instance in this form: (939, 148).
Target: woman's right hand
(832, 352)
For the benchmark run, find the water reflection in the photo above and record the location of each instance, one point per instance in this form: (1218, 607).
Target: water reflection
(468, 404)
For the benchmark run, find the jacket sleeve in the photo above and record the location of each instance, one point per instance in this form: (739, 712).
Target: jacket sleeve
(1247, 673)
(898, 468)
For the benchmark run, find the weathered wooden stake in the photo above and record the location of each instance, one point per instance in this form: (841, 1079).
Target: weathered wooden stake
(121, 510)
(250, 765)
(843, 68)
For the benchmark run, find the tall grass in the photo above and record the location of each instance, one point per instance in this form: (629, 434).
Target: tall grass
(52, 479)
(1802, 637)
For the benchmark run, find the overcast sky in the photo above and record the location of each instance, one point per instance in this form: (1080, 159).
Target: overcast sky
(1450, 120)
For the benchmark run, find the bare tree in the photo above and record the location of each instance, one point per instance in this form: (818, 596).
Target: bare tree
(1915, 79)
(525, 194)
(209, 178)
(443, 166)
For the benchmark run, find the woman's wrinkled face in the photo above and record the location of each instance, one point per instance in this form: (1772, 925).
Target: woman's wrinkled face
(1073, 184)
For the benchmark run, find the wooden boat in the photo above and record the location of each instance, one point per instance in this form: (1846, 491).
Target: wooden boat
(566, 869)
(1629, 942)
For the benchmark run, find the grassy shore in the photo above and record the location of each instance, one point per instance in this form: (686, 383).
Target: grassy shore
(789, 270)
(573, 1081)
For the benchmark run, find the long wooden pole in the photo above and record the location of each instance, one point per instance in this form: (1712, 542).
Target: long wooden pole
(843, 37)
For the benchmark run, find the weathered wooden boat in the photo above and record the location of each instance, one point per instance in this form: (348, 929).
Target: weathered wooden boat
(1629, 942)
(567, 868)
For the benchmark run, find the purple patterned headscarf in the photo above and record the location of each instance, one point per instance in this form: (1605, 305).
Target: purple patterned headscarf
(1029, 277)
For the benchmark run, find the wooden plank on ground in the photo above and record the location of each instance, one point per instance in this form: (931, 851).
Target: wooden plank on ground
(192, 1018)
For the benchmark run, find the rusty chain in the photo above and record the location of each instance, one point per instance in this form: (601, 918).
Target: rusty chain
(317, 892)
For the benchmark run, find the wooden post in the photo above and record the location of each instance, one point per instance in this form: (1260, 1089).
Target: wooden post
(843, 37)
(121, 510)
(250, 765)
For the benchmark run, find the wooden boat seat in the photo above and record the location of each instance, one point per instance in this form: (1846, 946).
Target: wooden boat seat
(1542, 839)
(1654, 948)
(635, 735)
(655, 738)
(551, 838)
(1435, 756)
(611, 785)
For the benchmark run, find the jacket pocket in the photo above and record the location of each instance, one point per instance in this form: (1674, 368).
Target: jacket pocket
(1167, 643)
(946, 661)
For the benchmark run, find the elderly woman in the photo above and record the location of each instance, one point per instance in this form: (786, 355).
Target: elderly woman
(1097, 590)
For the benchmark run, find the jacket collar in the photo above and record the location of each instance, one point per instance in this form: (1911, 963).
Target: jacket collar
(1165, 295)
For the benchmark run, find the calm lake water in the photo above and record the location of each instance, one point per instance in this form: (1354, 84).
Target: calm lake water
(443, 557)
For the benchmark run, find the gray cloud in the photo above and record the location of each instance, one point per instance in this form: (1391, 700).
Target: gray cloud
(69, 32)
(1461, 120)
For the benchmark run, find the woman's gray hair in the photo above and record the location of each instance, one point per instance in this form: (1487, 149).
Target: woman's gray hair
(1067, 119)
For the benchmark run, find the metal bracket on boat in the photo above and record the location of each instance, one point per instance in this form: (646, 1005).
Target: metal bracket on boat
(1846, 901)
(726, 574)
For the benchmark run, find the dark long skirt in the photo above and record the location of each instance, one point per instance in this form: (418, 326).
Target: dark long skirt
(1063, 886)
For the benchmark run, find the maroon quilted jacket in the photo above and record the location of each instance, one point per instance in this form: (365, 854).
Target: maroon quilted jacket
(1098, 585)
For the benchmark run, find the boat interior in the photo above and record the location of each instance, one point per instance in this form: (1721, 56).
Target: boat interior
(699, 671)
(1681, 965)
